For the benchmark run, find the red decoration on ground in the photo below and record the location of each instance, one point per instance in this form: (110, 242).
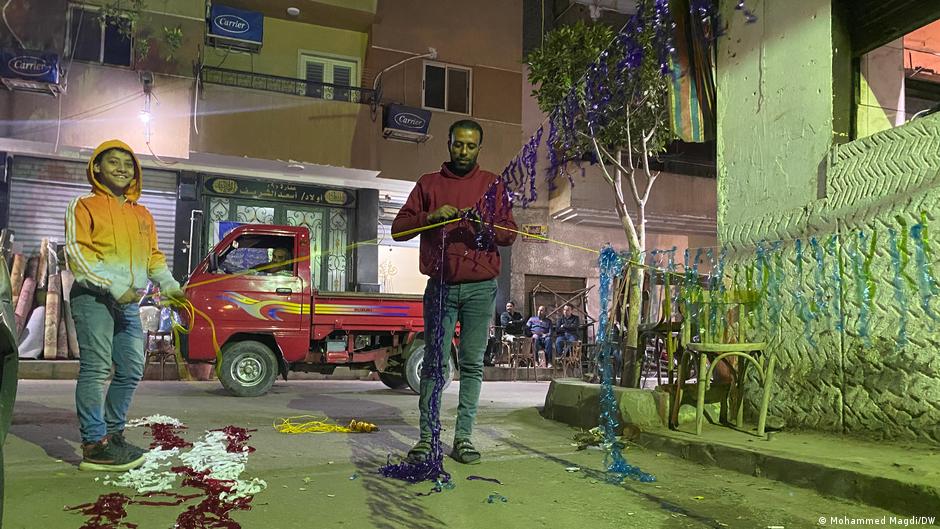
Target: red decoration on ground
(237, 437)
(106, 513)
(165, 437)
(177, 499)
(212, 512)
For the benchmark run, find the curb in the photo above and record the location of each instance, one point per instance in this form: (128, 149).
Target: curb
(890, 494)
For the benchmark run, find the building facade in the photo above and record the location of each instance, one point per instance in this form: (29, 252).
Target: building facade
(283, 124)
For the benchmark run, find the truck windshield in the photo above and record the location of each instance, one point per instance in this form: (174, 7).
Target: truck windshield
(259, 254)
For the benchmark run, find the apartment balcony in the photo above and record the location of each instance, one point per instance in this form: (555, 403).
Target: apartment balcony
(286, 85)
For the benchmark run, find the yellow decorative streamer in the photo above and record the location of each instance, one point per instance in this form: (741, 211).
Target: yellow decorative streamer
(313, 424)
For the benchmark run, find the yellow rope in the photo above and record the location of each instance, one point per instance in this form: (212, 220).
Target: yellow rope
(348, 247)
(193, 311)
(313, 424)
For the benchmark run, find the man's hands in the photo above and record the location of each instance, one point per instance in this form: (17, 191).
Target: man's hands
(447, 212)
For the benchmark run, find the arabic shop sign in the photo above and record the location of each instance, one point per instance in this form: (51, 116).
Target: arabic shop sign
(279, 191)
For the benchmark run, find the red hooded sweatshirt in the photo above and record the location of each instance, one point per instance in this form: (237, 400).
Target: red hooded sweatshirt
(465, 262)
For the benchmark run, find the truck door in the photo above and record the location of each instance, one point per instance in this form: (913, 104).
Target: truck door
(252, 292)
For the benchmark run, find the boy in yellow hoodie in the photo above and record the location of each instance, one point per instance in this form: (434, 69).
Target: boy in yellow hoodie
(111, 247)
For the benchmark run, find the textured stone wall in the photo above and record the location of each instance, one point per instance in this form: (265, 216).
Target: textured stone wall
(843, 382)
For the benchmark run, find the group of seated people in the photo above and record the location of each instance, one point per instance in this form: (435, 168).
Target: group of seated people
(566, 329)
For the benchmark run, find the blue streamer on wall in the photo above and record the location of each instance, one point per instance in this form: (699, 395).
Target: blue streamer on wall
(900, 296)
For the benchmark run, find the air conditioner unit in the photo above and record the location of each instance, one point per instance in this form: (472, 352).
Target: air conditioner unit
(235, 29)
(403, 123)
(30, 71)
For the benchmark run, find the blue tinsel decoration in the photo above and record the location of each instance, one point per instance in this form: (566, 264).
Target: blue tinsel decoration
(897, 281)
(611, 265)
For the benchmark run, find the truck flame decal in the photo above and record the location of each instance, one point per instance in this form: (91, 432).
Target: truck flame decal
(271, 310)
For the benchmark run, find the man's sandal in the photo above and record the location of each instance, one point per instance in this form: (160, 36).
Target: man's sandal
(464, 452)
(420, 452)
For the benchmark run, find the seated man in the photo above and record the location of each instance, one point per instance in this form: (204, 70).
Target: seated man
(540, 328)
(511, 322)
(279, 265)
(567, 328)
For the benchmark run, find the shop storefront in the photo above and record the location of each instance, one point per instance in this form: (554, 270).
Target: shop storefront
(328, 213)
(41, 189)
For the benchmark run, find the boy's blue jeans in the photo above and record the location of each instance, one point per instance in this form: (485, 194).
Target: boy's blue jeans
(108, 334)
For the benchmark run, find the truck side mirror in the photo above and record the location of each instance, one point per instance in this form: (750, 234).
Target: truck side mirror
(213, 262)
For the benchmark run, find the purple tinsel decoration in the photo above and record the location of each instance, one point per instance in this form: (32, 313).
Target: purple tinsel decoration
(431, 469)
(551, 146)
(529, 160)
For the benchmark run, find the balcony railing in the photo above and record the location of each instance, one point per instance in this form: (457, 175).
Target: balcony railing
(286, 85)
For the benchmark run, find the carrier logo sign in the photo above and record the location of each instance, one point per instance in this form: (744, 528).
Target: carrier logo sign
(232, 23)
(29, 66)
(409, 120)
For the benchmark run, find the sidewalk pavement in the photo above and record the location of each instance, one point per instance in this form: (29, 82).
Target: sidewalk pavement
(901, 477)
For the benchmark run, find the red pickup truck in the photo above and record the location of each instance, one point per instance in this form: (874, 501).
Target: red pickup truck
(273, 321)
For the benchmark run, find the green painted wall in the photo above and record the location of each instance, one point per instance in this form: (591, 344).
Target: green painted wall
(787, 173)
(282, 42)
(775, 108)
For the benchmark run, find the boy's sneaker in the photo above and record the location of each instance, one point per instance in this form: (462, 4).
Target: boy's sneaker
(118, 441)
(105, 456)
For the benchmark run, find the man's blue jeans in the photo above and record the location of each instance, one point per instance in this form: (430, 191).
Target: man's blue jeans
(563, 339)
(544, 342)
(108, 334)
(471, 304)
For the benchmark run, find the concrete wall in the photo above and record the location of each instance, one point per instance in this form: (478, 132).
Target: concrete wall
(406, 28)
(786, 175)
(274, 126)
(103, 103)
(285, 40)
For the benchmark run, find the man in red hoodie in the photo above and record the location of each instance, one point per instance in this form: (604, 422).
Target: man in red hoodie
(468, 264)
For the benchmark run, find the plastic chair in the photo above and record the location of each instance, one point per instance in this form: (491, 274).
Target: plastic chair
(722, 320)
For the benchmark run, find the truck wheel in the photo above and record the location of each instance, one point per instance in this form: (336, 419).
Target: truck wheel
(413, 370)
(248, 369)
(392, 380)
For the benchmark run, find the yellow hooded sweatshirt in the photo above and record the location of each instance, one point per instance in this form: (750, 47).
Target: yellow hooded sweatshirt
(110, 243)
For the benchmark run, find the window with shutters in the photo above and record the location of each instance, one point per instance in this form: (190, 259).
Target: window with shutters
(92, 39)
(330, 78)
(447, 87)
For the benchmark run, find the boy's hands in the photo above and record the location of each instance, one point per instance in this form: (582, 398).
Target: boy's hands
(129, 297)
(176, 295)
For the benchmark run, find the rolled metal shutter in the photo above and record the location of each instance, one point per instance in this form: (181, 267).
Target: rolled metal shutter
(41, 189)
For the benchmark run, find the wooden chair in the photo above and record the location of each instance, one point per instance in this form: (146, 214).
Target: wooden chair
(158, 345)
(570, 358)
(522, 354)
(722, 320)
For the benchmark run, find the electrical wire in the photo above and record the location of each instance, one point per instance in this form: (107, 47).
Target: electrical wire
(10, 28)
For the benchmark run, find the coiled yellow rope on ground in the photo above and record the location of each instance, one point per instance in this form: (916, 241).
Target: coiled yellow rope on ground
(313, 424)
